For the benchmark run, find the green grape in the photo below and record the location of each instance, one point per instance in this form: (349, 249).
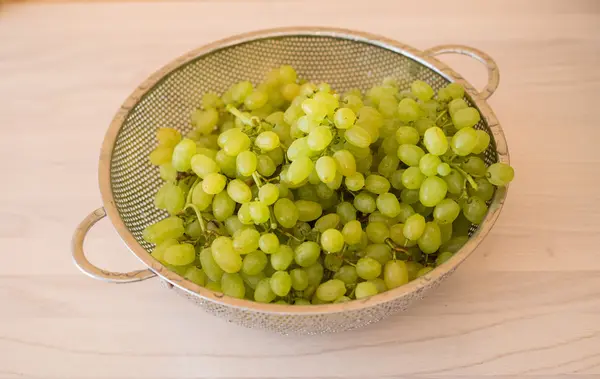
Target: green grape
(168, 172)
(378, 217)
(282, 258)
(168, 137)
(431, 238)
(269, 243)
(410, 154)
(443, 169)
(307, 253)
(332, 240)
(344, 118)
(328, 221)
(331, 290)
(211, 100)
(429, 164)
(286, 213)
(299, 170)
(314, 109)
(346, 163)
(352, 232)
(388, 165)
(424, 271)
(236, 143)
(315, 274)
(465, 118)
(193, 230)
(246, 163)
(259, 212)
(432, 191)
(239, 191)
(396, 179)
(500, 174)
(319, 138)
(210, 153)
(474, 166)
(300, 301)
(395, 274)
(337, 181)
(263, 292)
(368, 268)
(281, 283)
(414, 227)
(277, 156)
(365, 289)
(210, 266)
(342, 299)
(170, 227)
(423, 210)
(474, 209)
(412, 269)
(388, 106)
(246, 240)
(290, 91)
(442, 258)
(407, 135)
(224, 136)
(306, 192)
(292, 114)
(483, 141)
(161, 155)
(225, 255)
(222, 206)
(389, 145)
(455, 182)
(405, 212)
(252, 281)
(408, 110)
(455, 90)
(347, 274)
(355, 182)
(346, 211)
(333, 262)
(308, 210)
(240, 91)
(357, 152)
(456, 105)
(364, 202)
(461, 226)
(170, 197)
(268, 194)
(226, 164)
(388, 204)
(485, 189)
(326, 168)
(446, 232)
(377, 184)
(358, 137)
(179, 254)
(397, 235)
(324, 192)
(159, 251)
(299, 278)
(213, 183)
(256, 100)
(423, 124)
(454, 244)
(182, 155)
(446, 211)
(213, 286)
(205, 120)
(464, 141)
(233, 224)
(377, 232)
(412, 178)
(421, 90)
(244, 215)
(435, 141)
(409, 196)
(265, 165)
(369, 128)
(233, 285)
(195, 275)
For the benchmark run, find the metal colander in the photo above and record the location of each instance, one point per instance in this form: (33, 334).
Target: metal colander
(343, 58)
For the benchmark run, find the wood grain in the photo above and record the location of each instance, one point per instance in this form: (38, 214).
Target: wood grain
(526, 304)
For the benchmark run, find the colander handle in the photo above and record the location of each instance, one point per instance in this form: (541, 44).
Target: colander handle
(492, 67)
(89, 269)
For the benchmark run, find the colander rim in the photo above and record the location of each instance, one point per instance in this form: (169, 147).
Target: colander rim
(104, 175)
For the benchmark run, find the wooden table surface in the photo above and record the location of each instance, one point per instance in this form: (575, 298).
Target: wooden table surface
(527, 303)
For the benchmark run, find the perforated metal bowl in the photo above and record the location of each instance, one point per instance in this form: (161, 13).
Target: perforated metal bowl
(345, 59)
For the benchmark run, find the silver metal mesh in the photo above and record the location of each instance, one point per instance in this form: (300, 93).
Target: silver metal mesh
(344, 63)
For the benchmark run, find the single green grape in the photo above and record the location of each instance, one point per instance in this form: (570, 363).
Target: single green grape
(414, 227)
(346, 211)
(331, 290)
(347, 274)
(424, 271)
(223, 206)
(431, 238)
(307, 253)
(421, 90)
(395, 274)
(182, 155)
(364, 202)
(408, 110)
(332, 240)
(299, 278)
(475, 209)
(412, 269)
(410, 154)
(246, 163)
(212, 270)
(254, 262)
(407, 135)
(259, 212)
(446, 211)
(443, 169)
(429, 164)
(233, 285)
(464, 141)
(409, 196)
(443, 257)
(346, 164)
(432, 191)
(368, 268)
(213, 183)
(225, 256)
(377, 184)
(454, 244)
(282, 258)
(263, 292)
(483, 141)
(455, 182)
(485, 189)
(500, 174)
(246, 240)
(281, 283)
(365, 289)
(170, 227)
(308, 210)
(319, 138)
(465, 118)
(412, 178)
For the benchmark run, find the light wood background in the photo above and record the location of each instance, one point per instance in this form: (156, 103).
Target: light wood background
(526, 304)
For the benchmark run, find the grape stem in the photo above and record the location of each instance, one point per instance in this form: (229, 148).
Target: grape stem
(188, 200)
(198, 214)
(288, 234)
(256, 179)
(250, 121)
(466, 175)
(441, 115)
(397, 249)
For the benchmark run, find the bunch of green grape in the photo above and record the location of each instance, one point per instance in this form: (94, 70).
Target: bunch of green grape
(290, 193)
